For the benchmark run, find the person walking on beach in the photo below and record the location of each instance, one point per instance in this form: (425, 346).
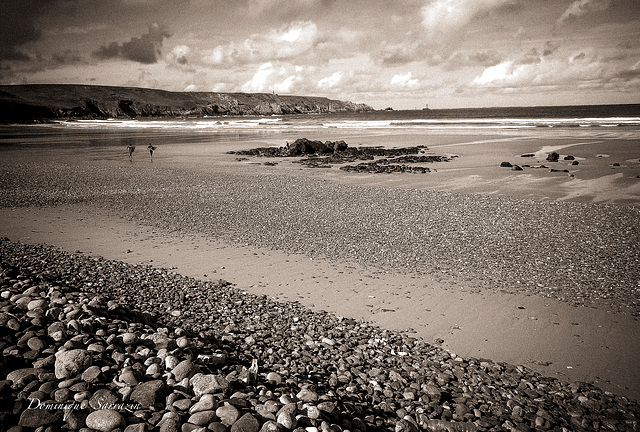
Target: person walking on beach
(130, 149)
(151, 148)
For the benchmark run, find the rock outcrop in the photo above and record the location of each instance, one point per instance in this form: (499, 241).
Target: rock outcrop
(19, 103)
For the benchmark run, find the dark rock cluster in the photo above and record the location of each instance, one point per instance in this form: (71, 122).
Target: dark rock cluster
(95, 345)
(318, 154)
(551, 157)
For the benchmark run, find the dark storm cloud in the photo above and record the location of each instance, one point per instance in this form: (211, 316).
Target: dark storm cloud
(144, 49)
(17, 27)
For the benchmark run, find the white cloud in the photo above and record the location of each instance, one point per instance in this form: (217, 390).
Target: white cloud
(501, 72)
(573, 71)
(284, 43)
(190, 88)
(443, 17)
(582, 7)
(269, 78)
(405, 81)
(178, 54)
(331, 81)
(287, 85)
(260, 80)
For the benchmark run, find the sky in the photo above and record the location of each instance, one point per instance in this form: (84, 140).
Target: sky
(402, 54)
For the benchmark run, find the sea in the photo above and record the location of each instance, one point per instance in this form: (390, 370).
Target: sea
(623, 120)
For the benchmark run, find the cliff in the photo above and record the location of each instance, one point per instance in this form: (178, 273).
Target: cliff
(19, 103)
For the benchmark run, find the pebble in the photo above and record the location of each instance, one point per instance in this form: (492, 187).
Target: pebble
(208, 383)
(206, 402)
(251, 364)
(104, 420)
(149, 393)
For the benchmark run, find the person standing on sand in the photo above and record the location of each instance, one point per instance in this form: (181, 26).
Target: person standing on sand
(151, 148)
(130, 148)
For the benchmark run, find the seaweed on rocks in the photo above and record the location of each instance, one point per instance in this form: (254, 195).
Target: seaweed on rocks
(77, 353)
(318, 154)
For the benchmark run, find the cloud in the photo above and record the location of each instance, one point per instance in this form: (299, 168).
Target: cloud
(442, 18)
(577, 71)
(582, 7)
(331, 82)
(269, 78)
(402, 52)
(284, 43)
(179, 54)
(145, 49)
(18, 26)
(498, 73)
(67, 57)
(404, 81)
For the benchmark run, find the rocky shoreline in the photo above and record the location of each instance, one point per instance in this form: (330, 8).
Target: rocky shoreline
(318, 154)
(44, 102)
(136, 348)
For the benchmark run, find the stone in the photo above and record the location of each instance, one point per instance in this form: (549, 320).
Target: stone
(150, 393)
(129, 338)
(506, 165)
(307, 395)
(92, 374)
(217, 427)
(137, 427)
(37, 304)
(287, 419)
(228, 414)
(128, 376)
(274, 378)
(37, 415)
(161, 340)
(553, 157)
(271, 426)
(36, 343)
(170, 425)
(203, 384)
(184, 369)
(246, 423)
(102, 398)
(182, 404)
(70, 363)
(18, 376)
(104, 420)
(405, 426)
(202, 418)
(206, 402)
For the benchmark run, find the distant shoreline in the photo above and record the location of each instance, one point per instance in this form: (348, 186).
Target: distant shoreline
(24, 103)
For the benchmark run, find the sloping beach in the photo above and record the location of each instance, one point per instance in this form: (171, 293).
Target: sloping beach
(531, 267)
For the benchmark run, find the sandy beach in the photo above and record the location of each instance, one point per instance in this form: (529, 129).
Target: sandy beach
(560, 322)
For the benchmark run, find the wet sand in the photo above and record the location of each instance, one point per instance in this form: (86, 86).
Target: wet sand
(594, 343)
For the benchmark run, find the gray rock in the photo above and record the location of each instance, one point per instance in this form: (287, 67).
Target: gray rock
(92, 374)
(149, 393)
(206, 402)
(203, 384)
(184, 369)
(228, 414)
(19, 375)
(104, 420)
(36, 417)
(202, 418)
(246, 423)
(138, 427)
(70, 363)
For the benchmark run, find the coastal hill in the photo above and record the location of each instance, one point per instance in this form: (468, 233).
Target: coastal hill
(19, 103)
